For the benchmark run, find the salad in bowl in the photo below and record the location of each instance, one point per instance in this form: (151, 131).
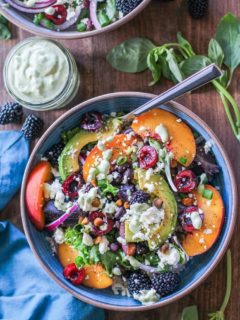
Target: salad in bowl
(80, 16)
(127, 206)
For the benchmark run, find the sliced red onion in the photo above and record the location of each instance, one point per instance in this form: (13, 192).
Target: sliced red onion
(53, 225)
(39, 7)
(148, 269)
(71, 21)
(93, 14)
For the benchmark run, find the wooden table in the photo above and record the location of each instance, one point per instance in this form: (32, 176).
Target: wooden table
(159, 22)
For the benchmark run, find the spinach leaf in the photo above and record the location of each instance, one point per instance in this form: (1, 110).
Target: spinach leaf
(111, 9)
(190, 313)
(94, 255)
(110, 259)
(3, 20)
(194, 64)
(215, 52)
(5, 33)
(154, 67)
(173, 66)
(185, 45)
(228, 37)
(107, 187)
(131, 55)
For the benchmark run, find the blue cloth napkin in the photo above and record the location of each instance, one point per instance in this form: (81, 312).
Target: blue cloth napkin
(14, 154)
(26, 292)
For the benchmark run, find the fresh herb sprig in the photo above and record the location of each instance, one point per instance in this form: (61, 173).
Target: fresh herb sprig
(5, 32)
(191, 312)
(177, 60)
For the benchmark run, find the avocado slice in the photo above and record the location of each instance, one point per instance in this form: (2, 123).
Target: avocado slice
(68, 161)
(168, 224)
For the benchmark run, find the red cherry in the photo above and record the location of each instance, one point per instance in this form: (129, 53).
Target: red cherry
(185, 181)
(71, 185)
(72, 273)
(148, 157)
(59, 16)
(185, 218)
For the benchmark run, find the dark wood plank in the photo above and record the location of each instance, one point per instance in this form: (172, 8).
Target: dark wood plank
(160, 22)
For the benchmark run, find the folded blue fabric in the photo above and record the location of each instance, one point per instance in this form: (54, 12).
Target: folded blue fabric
(26, 292)
(14, 153)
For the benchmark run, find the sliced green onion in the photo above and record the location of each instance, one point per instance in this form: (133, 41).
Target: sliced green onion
(183, 160)
(121, 160)
(103, 18)
(202, 182)
(38, 18)
(207, 194)
(81, 27)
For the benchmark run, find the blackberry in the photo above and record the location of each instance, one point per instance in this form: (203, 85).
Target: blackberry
(138, 281)
(126, 6)
(139, 197)
(32, 127)
(141, 248)
(197, 8)
(54, 152)
(11, 112)
(165, 282)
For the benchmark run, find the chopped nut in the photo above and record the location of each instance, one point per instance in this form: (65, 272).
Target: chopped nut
(80, 219)
(119, 202)
(164, 248)
(173, 163)
(98, 222)
(98, 240)
(126, 205)
(85, 221)
(158, 203)
(96, 203)
(187, 201)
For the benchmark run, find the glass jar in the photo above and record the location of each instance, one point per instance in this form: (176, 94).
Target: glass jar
(41, 70)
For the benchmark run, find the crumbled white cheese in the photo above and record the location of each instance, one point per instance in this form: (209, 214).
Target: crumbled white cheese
(149, 173)
(169, 258)
(110, 208)
(50, 11)
(104, 166)
(196, 220)
(161, 130)
(103, 245)
(207, 231)
(107, 154)
(147, 297)
(149, 187)
(58, 236)
(208, 145)
(116, 271)
(92, 174)
(50, 190)
(121, 240)
(87, 239)
(85, 199)
(119, 287)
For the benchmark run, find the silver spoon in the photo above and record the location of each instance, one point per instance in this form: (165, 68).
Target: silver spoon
(195, 81)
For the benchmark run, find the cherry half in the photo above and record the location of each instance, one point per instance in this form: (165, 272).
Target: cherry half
(59, 16)
(72, 184)
(147, 157)
(185, 181)
(108, 223)
(185, 218)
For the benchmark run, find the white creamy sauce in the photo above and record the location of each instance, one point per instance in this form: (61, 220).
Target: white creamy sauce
(85, 199)
(38, 72)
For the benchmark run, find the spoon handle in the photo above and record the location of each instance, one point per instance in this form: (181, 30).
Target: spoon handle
(195, 81)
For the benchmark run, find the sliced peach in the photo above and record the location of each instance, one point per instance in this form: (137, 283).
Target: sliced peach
(35, 193)
(66, 254)
(119, 146)
(181, 143)
(199, 241)
(96, 277)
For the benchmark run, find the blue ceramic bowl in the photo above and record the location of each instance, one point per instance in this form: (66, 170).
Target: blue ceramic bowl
(197, 269)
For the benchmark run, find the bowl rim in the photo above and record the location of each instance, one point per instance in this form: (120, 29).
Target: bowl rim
(189, 113)
(14, 17)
